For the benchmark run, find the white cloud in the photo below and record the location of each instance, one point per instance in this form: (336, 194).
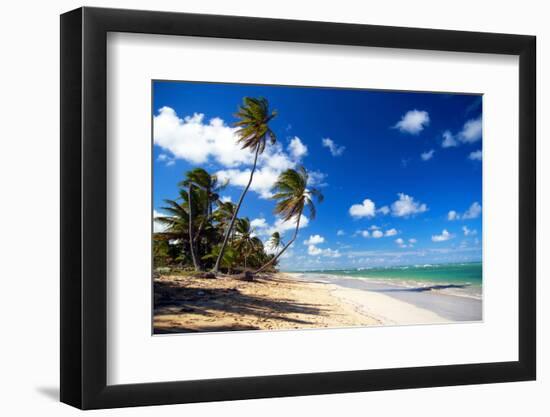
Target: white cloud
(453, 215)
(263, 180)
(476, 155)
(168, 160)
(412, 240)
(314, 250)
(260, 223)
(468, 232)
(377, 234)
(282, 226)
(471, 131)
(340, 233)
(384, 210)
(406, 206)
(400, 242)
(334, 149)
(329, 253)
(473, 212)
(314, 240)
(296, 148)
(365, 209)
(197, 141)
(445, 235)
(413, 122)
(271, 164)
(449, 140)
(316, 178)
(225, 199)
(263, 228)
(390, 232)
(426, 156)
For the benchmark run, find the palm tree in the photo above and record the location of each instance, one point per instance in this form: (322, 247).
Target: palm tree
(223, 215)
(197, 178)
(293, 197)
(209, 184)
(176, 221)
(254, 117)
(246, 243)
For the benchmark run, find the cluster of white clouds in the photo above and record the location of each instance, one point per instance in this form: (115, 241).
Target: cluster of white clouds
(470, 133)
(405, 244)
(376, 233)
(413, 122)
(334, 149)
(404, 206)
(473, 212)
(167, 159)
(468, 232)
(314, 250)
(444, 236)
(199, 141)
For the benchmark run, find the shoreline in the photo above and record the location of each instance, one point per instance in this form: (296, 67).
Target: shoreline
(388, 310)
(447, 307)
(281, 301)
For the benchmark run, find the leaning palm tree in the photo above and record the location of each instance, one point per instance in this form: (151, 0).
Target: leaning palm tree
(293, 197)
(253, 131)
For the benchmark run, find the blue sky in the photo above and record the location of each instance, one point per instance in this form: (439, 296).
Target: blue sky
(401, 172)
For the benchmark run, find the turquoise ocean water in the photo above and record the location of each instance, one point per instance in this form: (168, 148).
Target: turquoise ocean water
(459, 279)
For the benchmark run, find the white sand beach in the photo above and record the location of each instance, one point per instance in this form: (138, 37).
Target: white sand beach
(282, 301)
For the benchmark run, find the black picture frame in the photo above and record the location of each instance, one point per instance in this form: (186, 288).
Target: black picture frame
(84, 207)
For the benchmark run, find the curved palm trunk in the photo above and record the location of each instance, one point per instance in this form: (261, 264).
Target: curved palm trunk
(272, 261)
(191, 240)
(230, 228)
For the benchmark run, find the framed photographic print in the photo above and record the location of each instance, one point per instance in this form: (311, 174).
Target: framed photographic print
(257, 208)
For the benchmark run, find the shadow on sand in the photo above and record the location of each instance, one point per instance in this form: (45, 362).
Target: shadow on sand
(170, 300)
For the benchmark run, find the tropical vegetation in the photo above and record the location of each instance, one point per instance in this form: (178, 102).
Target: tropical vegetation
(202, 233)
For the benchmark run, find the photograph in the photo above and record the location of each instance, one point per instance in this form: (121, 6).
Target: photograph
(290, 207)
